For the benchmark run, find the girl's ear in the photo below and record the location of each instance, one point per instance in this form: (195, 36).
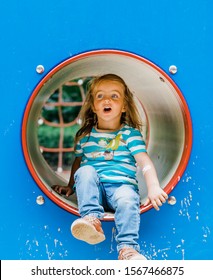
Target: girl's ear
(124, 108)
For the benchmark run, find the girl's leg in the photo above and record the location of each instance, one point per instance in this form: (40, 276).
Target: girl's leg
(88, 192)
(126, 203)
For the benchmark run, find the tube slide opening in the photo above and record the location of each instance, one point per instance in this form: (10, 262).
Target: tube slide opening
(164, 111)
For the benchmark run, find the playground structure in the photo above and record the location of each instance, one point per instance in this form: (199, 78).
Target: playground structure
(166, 118)
(164, 68)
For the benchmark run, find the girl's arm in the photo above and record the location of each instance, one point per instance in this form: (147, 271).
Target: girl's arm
(68, 190)
(156, 194)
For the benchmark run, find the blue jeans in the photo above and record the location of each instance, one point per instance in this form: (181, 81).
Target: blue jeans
(94, 198)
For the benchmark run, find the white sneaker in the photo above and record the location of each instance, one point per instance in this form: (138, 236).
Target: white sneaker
(127, 253)
(88, 229)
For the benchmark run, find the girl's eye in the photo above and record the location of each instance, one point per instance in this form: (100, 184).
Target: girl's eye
(99, 96)
(114, 96)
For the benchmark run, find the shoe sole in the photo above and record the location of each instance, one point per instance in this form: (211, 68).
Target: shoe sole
(86, 232)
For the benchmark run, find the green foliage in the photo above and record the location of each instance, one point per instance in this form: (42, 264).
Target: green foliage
(48, 136)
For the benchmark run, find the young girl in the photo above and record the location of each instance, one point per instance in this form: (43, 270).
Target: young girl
(108, 148)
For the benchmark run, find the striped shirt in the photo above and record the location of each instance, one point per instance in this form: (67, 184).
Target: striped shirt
(112, 153)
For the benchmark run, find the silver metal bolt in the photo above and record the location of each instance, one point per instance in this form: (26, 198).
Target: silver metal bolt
(40, 200)
(172, 200)
(40, 69)
(173, 69)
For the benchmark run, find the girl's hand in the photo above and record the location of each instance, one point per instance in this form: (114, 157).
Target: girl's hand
(156, 196)
(66, 190)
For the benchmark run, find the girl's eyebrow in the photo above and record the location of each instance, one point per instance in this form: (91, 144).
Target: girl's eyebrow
(112, 91)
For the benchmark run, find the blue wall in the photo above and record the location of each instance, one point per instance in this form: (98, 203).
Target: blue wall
(47, 32)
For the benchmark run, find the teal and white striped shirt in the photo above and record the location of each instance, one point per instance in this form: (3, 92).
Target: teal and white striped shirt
(112, 153)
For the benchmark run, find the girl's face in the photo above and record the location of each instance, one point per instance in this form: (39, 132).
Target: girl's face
(109, 104)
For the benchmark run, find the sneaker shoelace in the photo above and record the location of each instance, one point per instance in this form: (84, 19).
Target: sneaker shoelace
(92, 219)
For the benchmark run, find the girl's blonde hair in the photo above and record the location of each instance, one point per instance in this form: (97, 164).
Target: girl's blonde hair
(88, 118)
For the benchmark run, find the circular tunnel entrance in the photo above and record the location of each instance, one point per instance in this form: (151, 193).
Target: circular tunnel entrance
(167, 123)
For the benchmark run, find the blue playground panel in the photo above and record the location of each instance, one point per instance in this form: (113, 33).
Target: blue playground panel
(50, 32)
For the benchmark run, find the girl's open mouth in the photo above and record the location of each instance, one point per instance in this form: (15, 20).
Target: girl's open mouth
(107, 109)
